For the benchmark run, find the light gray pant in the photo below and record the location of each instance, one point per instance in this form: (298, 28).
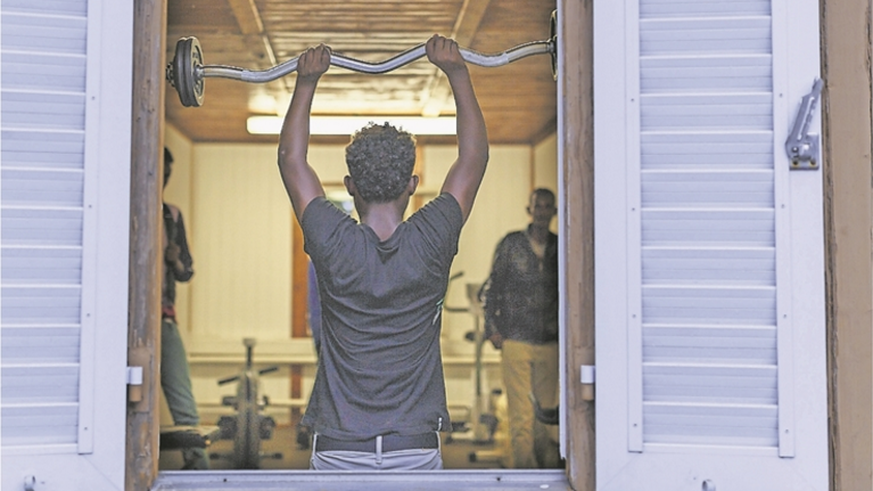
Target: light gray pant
(176, 382)
(400, 460)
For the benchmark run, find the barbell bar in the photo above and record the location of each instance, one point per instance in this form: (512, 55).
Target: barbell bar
(187, 73)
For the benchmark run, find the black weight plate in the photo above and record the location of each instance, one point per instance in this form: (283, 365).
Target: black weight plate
(182, 73)
(553, 35)
(247, 443)
(188, 58)
(197, 63)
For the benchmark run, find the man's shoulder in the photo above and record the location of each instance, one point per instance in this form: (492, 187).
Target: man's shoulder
(174, 210)
(445, 202)
(319, 207)
(444, 209)
(515, 235)
(324, 223)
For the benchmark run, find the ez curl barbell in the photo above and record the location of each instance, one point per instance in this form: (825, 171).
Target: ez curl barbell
(187, 73)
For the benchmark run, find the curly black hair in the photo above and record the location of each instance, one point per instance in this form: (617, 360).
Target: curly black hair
(380, 158)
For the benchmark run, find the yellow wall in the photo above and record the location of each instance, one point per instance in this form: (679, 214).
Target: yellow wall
(241, 241)
(239, 228)
(545, 159)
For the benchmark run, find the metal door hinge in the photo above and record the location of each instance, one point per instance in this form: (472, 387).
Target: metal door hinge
(134, 375)
(802, 148)
(586, 377)
(586, 374)
(134, 384)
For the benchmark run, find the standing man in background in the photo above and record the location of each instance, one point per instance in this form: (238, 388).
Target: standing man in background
(521, 320)
(175, 374)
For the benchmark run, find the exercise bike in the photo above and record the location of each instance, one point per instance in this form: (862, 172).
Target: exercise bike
(248, 427)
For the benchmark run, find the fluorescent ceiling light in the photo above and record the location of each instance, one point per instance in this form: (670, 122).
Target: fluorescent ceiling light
(346, 125)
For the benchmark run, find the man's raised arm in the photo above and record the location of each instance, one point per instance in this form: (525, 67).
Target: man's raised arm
(300, 179)
(465, 175)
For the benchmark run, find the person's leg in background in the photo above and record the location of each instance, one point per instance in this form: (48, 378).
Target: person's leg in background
(516, 364)
(544, 380)
(176, 382)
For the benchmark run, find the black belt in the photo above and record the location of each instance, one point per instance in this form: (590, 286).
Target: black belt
(390, 443)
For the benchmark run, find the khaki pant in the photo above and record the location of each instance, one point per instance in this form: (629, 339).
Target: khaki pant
(530, 368)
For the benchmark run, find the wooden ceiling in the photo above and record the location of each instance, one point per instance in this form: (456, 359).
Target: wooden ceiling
(518, 99)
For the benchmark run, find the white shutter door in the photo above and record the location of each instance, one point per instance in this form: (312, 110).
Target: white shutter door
(42, 206)
(709, 263)
(64, 172)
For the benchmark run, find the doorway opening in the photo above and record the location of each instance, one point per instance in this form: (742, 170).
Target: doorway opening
(217, 327)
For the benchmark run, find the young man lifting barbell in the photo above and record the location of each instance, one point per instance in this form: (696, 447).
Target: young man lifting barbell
(379, 397)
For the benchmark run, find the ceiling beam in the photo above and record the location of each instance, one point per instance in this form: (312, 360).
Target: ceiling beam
(252, 26)
(438, 90)
(250, 23)
(247, 15)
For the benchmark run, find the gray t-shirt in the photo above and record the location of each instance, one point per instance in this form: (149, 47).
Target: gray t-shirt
(380, 368)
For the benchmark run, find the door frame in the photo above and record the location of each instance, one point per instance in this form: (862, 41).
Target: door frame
(143, 329)
(847, 106)
(576, 222)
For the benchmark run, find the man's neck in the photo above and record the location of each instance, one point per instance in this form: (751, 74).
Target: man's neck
(383, 218)
(538, 233)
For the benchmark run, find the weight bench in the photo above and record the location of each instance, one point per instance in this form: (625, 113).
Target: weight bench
(179, 437)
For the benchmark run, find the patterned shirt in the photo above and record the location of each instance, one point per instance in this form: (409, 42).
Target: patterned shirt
(521, 294)
(174, 231)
